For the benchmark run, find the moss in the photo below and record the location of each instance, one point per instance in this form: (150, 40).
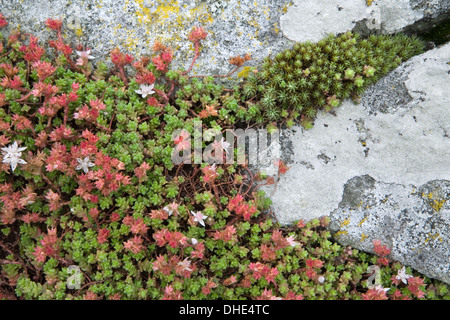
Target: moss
(315, 76)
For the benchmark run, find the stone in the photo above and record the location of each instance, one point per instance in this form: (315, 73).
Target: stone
(380, 168)
(235, 28)
(399, 133)
(414, 222)
(311, 20)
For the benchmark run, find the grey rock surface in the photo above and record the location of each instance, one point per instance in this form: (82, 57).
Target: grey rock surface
(413, 221)
(381, 168)
(234, 27)
(399, 133)
(311, 20)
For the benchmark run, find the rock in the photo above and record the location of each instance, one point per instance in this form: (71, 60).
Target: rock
(399, 133)
(381, 168)
(414, 222)
(235, 28)
(310, 20)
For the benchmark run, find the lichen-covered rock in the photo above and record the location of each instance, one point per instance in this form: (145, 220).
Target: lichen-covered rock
(234, 27)
(414, 222)
(399, 133)
(312, 20)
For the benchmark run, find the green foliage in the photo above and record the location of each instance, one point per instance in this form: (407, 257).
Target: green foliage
(131, 219)
(305, 77)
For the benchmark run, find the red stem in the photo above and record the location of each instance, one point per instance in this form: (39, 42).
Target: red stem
(197, 54)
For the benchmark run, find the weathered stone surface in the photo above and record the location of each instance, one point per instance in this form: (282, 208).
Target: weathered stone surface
(400, 134)
(413, 221)
(312, 20)
(234, 27)
(381, 168)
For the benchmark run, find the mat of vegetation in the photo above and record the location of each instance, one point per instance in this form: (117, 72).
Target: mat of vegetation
(92, 206)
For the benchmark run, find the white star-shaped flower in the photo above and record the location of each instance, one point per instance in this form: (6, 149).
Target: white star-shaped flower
(171, 208)
(401, 275)
(198, 216)
(379, 288)
(85, 54)
(12, 155)
(185, 264)
(225, 145)
(84, 164)
(222, 144)
(145, 90)
(168, 210)
(291, 241)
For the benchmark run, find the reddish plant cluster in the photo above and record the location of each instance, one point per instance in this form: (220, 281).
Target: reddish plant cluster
(90, 114)
(165, 265)
(14, 202)
(226, 234)
(377, 293)
(141, 171)
(53, 103)
(311, 267)
(238, 61)
(197, 34)
(171, 294)
(137, 226)
(173, 239)
(163, 58)
(182, 141)
(262, 270)
(382, 251)
(3, 22)
(241, 208)
(134, 244)
(120, 60)
(33, 52)
(209, 173)
(106, 179)
(49, 246)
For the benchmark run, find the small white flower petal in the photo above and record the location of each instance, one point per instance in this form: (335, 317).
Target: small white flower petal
(12, 155)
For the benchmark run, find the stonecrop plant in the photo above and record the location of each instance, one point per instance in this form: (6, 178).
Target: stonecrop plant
(92, 206)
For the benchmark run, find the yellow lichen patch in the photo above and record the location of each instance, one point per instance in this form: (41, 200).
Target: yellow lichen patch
(438, 204)
(345, 222)
(286, 6)
(363, 237)
(165, 21)
(275, 27)
(340, 233)
(429, 195)
(361, 222)
(78, 32)
(369, 2)
(432, 237)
